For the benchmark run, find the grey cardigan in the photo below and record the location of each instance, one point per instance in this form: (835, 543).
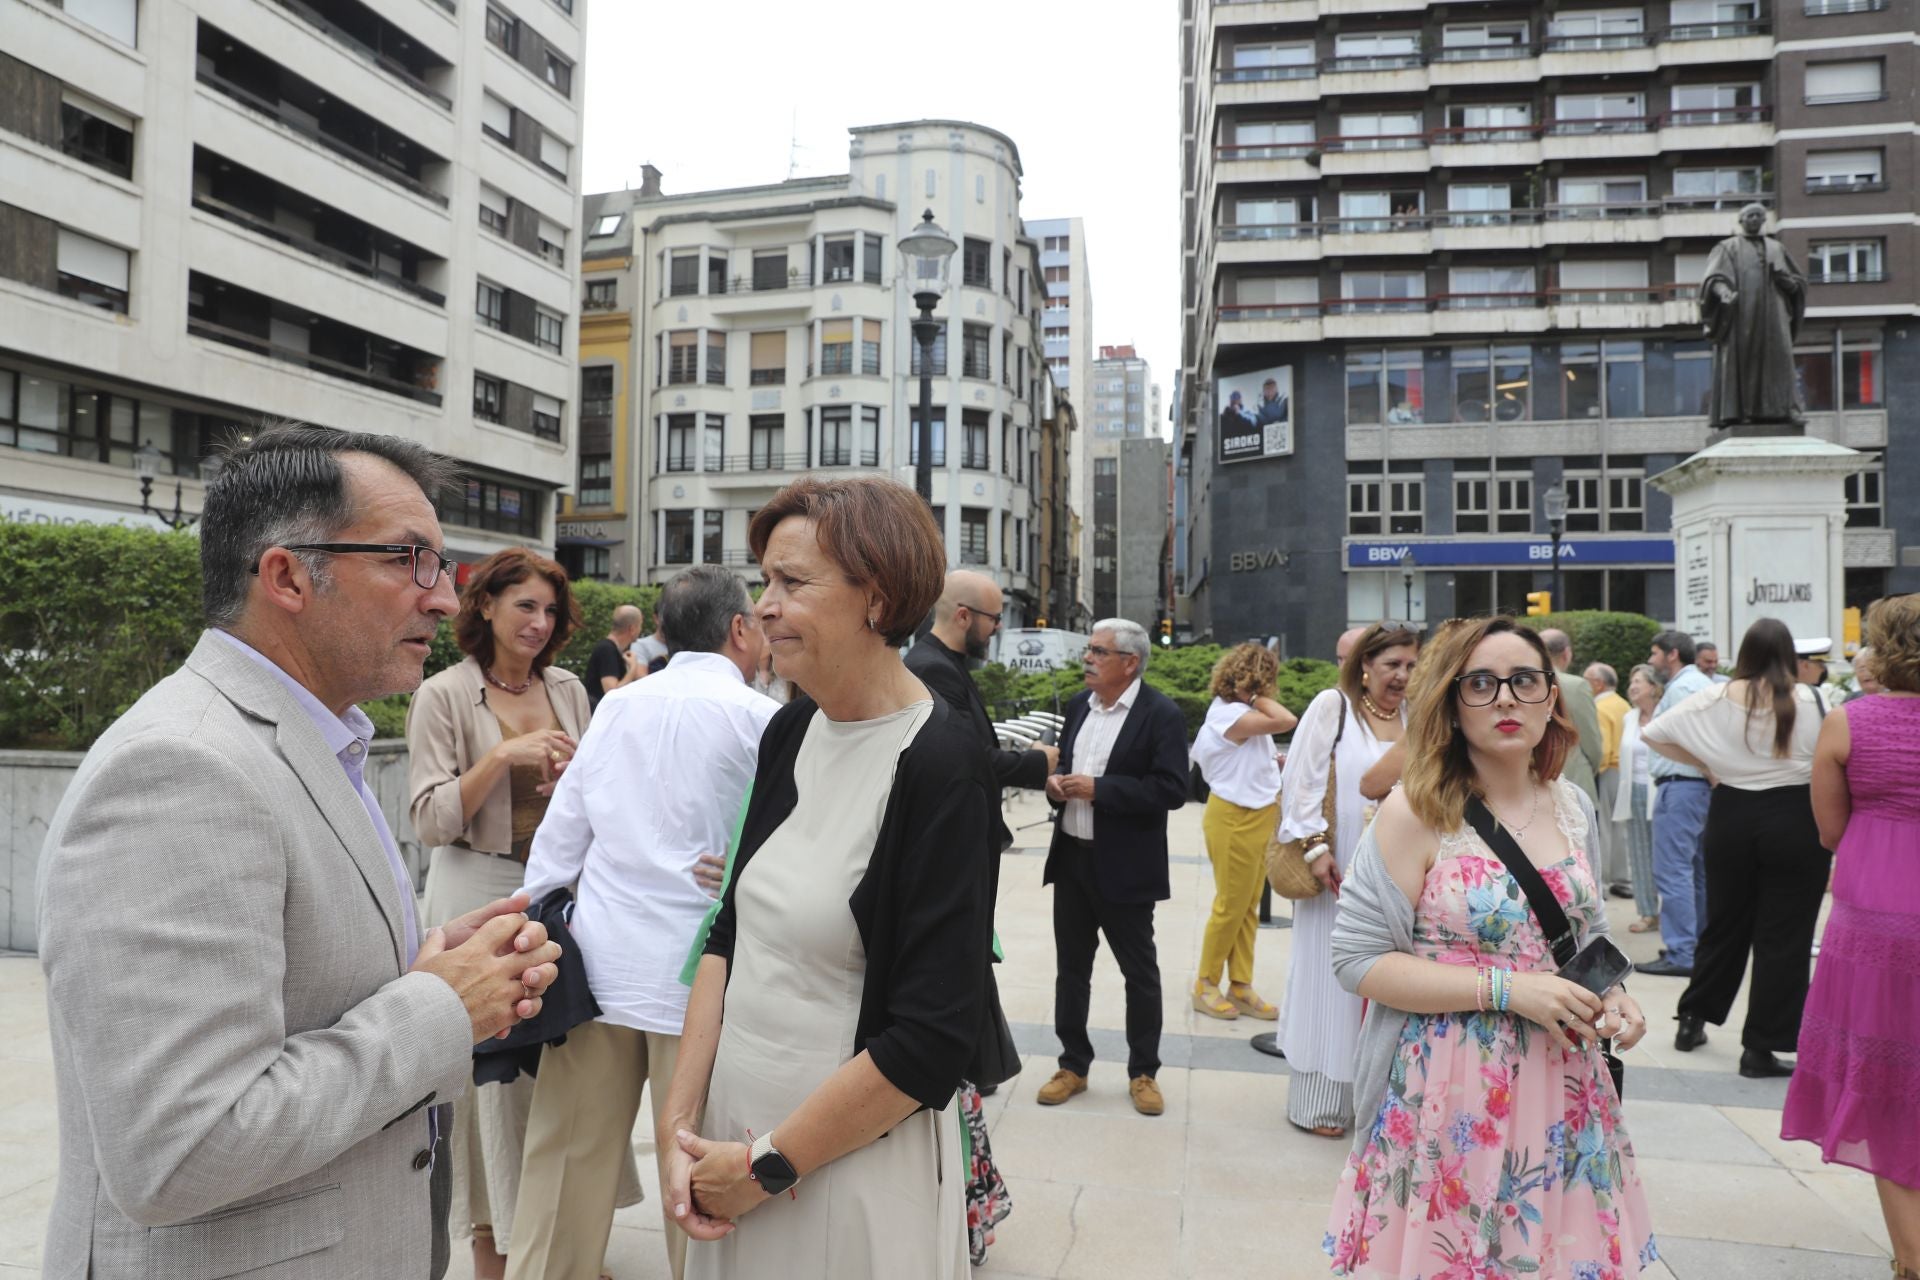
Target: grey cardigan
(1374, 919)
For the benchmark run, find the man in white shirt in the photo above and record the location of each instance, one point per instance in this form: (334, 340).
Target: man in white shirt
(657, 782)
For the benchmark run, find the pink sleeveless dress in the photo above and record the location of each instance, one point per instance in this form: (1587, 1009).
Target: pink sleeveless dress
(1495, 1155)
(1856, 1082)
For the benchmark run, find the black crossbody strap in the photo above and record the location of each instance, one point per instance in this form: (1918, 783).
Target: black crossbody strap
(1547, 912)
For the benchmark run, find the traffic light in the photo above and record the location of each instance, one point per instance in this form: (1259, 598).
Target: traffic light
(1538, 603)
(1040, 622)
(1166, 631)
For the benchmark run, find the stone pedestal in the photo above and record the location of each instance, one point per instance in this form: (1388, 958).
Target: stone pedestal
(1758, 532)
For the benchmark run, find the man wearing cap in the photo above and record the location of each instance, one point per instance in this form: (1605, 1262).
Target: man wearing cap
(1814, 652)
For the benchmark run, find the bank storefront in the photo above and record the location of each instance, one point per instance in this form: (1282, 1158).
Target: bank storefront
(1424, 580)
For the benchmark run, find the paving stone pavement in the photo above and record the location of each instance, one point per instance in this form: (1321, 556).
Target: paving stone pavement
(1221, 1185)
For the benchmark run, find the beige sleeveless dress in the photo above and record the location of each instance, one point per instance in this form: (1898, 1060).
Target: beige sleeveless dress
(895, 1207)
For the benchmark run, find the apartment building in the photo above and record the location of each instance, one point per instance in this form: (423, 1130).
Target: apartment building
(772, 336)
(220, 212)
(1127, 513)
(1456, 250)
(1067, 329)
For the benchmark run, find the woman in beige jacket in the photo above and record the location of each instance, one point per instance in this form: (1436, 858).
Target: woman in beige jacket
(487, 739)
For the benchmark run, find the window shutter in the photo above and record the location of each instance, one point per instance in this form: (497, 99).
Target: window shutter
(496, 115)
(93, 260)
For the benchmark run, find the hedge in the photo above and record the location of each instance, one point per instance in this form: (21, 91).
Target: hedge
(92, 616)
(1621, 640)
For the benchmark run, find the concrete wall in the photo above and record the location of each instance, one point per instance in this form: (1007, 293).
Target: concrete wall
(32, 784)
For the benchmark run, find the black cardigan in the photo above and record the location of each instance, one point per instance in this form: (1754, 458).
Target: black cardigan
(923, 908)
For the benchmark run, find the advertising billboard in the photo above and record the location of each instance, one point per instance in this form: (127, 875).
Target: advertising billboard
(1256, 414)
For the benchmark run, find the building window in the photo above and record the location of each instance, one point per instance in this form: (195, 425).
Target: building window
(1386, 386)
(555, 155)
(836, 436)
(1369, 291)
(1486, 288)
(869, 437)
(92, 271)
(767, 441)
(836, 347)
(1381, 131)
(601, 295)
(976, 263)
(1470, 509)
(716, 358)
(488, 394)
(560, 74)
(1846, 170)
(490, 305)
(939, 424)
(683, 354)
(973, 535)
(683, 274)
(1406, 505)
(1831, 83)
(596, 391)
(546, 417)
(1846, 262)
(496, 118)
(676, 540)
(548, 327)
(607, 224)
(494, 207)
(596, 480)
(489, 504)
(1583, 500)
(1626, 496)
(713, 452)
(769, 269)
(1865, 505)
(711, 521)
(1597, 29)
(974, 425)
(679, 450)
(552, 239)
(1513, 492)
(96, 135)
(1610, 280)
(502, 30)
(939, 369)
(1492, 383)
(1603, 379)
(768, 357)
(1710, 186)
(838, 262)
(976, 352)
(1714, 103)
(870, 348)
(872, 258)
(1860, 371)
(1363, 505)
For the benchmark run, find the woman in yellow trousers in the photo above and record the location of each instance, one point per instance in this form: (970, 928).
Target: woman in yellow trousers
(1235, 753)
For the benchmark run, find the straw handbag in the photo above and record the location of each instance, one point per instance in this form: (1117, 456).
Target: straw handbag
(1287, 869)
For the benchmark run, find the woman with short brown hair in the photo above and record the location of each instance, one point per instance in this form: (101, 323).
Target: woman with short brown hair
(842, 987)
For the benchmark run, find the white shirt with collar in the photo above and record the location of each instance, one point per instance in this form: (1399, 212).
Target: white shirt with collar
(1092, 748)
(657, 781)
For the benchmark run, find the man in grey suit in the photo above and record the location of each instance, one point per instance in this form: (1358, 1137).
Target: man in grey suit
(1582, 768)
(250, 1036)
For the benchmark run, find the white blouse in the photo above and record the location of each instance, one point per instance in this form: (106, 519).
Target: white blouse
(1242, 773)
(1715, 730)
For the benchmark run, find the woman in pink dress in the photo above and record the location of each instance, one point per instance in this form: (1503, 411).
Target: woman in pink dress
(1491, 1144)
(1856, 1089)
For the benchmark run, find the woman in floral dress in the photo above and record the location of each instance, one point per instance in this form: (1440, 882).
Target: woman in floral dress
(1491, 1142)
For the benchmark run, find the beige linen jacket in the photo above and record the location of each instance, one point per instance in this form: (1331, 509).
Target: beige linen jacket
(449, 728)
(240, 1055)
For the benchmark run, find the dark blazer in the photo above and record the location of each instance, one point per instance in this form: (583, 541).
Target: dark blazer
(1146, 779)
(945, 673)
(923, 907)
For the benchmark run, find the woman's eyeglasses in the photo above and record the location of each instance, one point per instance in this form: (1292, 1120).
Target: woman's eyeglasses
(1479, 688)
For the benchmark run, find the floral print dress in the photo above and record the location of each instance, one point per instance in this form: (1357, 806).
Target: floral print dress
(1495, 1153)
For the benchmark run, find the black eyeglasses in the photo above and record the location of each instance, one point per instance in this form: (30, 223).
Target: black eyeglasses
(1480, 688)
(428, 564)
(978, 611)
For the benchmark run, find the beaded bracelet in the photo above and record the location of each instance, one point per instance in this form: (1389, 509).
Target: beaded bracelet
(1506, 988)
(1482, 981)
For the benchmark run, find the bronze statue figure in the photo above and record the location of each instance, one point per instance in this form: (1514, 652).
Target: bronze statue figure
(1752, 302)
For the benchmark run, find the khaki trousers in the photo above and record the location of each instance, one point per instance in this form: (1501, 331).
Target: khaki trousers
(1237, 847)
(581, 1127)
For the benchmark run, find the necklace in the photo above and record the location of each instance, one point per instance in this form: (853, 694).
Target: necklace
(502, 685)
(1373, 708)
(1531, 815)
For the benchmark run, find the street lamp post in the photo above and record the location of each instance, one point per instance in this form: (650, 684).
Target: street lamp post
(1556, 499)
(926, 250)
(1406, 577)
(146, 463)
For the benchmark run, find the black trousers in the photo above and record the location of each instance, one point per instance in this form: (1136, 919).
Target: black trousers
(1766, 873)
(1080, 916)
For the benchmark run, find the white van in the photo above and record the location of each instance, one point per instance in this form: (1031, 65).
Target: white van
(1027, 649)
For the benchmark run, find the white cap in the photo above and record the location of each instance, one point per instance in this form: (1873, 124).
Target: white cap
(1814, 647)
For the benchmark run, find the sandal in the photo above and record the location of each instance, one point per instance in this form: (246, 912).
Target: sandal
(1208, 1000)
(1321, 1130)
(1248, 1001)
(1645, 924)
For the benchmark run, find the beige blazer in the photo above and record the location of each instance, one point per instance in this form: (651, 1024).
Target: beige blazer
(239, 1053)
(449, 728)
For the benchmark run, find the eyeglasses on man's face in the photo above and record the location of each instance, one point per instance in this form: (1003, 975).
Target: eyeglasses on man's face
(428, 563)
(1101, 651)
(978, 612)
(1480, 688)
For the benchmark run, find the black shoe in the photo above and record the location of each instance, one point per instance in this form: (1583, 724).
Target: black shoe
(1621, 891)
(1665, 968)
(1758, 1064)
(1691, 1036)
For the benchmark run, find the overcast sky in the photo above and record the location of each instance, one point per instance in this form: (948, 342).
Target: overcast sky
(714, 94)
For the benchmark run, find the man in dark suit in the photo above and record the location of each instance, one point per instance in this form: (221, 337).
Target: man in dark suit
(1123, 768)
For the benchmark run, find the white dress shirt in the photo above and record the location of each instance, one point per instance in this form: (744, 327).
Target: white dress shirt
(1091, 748)
(657, 781)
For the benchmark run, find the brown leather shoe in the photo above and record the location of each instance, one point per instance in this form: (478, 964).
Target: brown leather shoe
(1063, 1086)
(1146, 1096)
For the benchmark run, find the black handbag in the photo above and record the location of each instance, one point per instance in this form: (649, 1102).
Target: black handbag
(1547, 912)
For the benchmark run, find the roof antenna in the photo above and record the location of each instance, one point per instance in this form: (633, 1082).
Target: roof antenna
(793, 146)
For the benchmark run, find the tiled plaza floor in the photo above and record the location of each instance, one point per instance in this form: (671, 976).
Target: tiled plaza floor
(1220, 1186)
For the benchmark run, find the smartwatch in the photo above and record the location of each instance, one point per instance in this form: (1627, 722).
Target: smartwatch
(769, 1168)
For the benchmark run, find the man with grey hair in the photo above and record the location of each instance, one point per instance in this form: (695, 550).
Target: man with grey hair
(1123, 769)
(1344, 645)
(1612, 709)
(251, 1035)
(656, 786)
(1706, 656)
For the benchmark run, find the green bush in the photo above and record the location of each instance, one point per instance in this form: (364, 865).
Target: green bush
(90, 617)
(1620, 640)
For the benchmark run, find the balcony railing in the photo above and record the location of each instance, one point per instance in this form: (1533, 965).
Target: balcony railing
(1270, 310)
(1690, 116)
(365, 52)
(1716, 30)
(1603, 210)
(306, 359)
(1242, 75)
(1486, 217)
(1375, 142)
(1374, 62)
(1483, 52)
(307, 129)
(1269, 231)
(1603, 124)
(849, 457)
(1462, 134)
(1589, 43)
(359, 266)
(1717, 200)
(1827, 8)
(1843, 183)
(1610, 295)
(1265, 150)
(1848, 277)
(591, 303)
(1372, 306)
(761, 461)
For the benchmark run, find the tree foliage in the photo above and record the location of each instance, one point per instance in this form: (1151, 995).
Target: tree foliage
(1618, 639)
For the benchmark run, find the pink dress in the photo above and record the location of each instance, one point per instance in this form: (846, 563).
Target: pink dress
(1856, 1082)
(1495, 1154)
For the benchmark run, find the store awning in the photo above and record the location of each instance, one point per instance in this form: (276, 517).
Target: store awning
(576, 540)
